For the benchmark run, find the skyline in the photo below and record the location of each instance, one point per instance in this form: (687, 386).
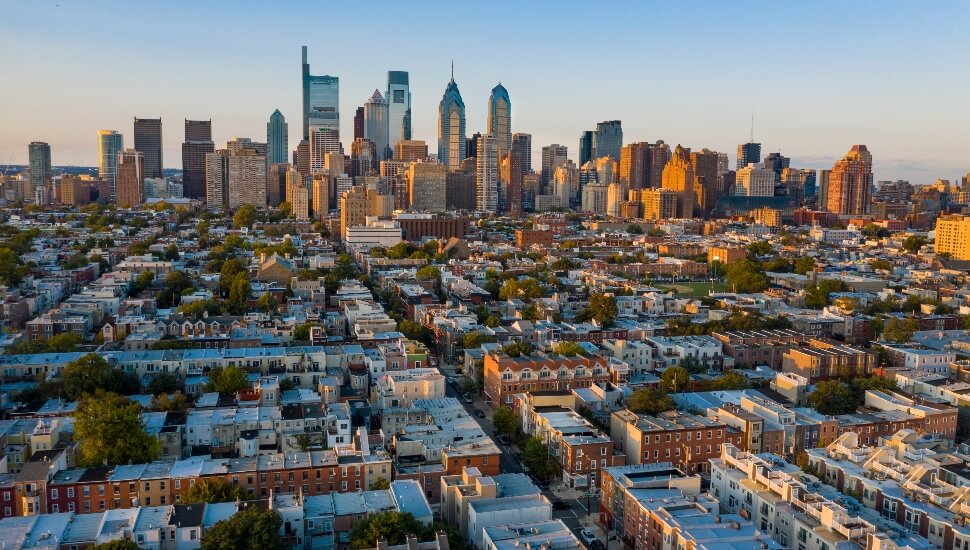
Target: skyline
(811, 101)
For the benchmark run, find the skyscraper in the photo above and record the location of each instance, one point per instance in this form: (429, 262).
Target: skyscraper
(500, 119)
(752, 181)
(110, 143)
(375, 124)
(849, 182)
(426, 182)
(409, 150)
(39, 154)
(359, 123)
(277, 138)
(130, 180)
(607, 140)
(217, 179)
(678, 176)
(323, 141)
(398, 108)
(634, 165)
(553, 156)
(659, 155)
(512, 175)
(748, 153)
(524, 143)
(776, 163)
(486, 174)
(363, 158)
(198, 143)
(148, 140)
(706, 179)
(451, 127)
(321, 99)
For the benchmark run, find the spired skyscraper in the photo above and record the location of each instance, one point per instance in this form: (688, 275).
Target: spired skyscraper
(375, 125)
(451, 127)
(500, 119)
(277, 138)
(198, 143)
(321, 99)
(148, 140)
(398, 108)
(110, 143)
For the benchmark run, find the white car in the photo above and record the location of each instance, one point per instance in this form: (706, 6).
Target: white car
(587, 536)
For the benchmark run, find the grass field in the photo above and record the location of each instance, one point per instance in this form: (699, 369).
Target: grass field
(695, 290)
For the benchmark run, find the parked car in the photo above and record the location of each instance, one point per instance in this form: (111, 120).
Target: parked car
(597, 545)
(560, 505)
(479, 413)
(587, 536)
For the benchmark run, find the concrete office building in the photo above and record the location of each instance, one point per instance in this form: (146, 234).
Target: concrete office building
(148, 140)
(198, 143)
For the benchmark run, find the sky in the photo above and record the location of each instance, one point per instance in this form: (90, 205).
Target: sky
(817, 76)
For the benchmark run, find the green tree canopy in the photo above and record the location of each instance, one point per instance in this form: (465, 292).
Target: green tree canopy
(120, 544)
(817, 295)
(913, 243)
(517, 348)
(674, 379)
(730, 380)
(390, 525)
(833, 397)
(650, 401)
(526, 288)
(760, 248)
(91, 373)
(210, 490)
(109, 431)
(536, 455)
(746, 276)
(165, 382)
(227, 380)
(899, 330)
(251, 529)
(244, 217)
(569, 349)
(428, 273)
(804, 264)
(505, 421)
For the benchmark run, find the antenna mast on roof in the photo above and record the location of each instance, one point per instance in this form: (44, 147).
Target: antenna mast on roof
(752, 128)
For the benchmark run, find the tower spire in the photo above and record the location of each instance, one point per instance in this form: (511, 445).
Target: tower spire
(752, 128)
(452, 70)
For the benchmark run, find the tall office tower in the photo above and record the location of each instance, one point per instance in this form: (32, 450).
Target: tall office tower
(451, 126)
(634, 164)
(553, 156)
(850, 181)
(375, 124)
(486, 174)
(460, 187)
(217, 179)
(587, 174)
(198, 143)
(607, 170)
(658, 157)
(363, 158)
(427, 182)
(658, 204)
(566, 183)
(321, 99)
(809, 187)
(722, 163)
(585, 147)
(148, 140)
(752, 181)
(398, 108)
(353, 208)
(707, 182)
(359, 123)
(39, 155)
(276, 184)
(247, 178)
(678, 176)
(500, 119)
(776, 163)
(748, 153)
(301, 158)
(277, 138)
(524, 143)
(410, 150)
(298, 194)
(130, 180)
(607, 140)
(511, 178)
(320, 196)
(323, 140)
(471, 145)
(110, 143)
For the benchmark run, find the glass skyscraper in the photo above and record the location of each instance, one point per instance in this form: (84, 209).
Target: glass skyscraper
(110, 143)
(585, 147)
(451, 126)
(321, 99)
(277, 138)
(375, 125)
(398, 108)
(608, 140)
(500, 119)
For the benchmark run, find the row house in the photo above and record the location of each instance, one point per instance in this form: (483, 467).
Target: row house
(506, 376)
(759, 347)
(821, 359)
(685, 439)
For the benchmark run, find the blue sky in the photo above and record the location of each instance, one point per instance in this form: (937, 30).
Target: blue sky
(818, 76)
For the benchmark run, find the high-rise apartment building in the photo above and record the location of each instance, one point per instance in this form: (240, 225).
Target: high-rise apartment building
(553, 156)
(523, 142)
(658, 204)
(607, 139)
(634, 165)
(375, 124)
(148, 140)
(398, 108)
(410, 150)
(427, 183)
(298, 194)
(658, 156)
(359, 123)
(301, 157)
(320, 196)
(849, 182)
(217, 179)
(323, 141)
(565, 183)
(451, 126)
(486, 174)
(500, 119)
(607, 170)
(198, 143)
(110, 144)
(39, 156)
(585, 147)
(511, 179)
(753, 181)
(953, 236)
(353, 208)
(247, 178)
(130, 180)
(594, 198)
(321, 99)
(276, 184)
(748, 153)
(707, 182)
(363, 158)
(678, 176)
(277, 138)
(460, 186)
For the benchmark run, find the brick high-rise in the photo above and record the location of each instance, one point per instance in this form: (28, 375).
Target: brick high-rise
(849, 182)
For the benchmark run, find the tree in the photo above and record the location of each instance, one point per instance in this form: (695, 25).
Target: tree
(899, 330)
(730, 380)
(142, 282)
(63, 343)
(505, 421)
(251, 529)
(634, 229)
(211, 490)
(428, 273)
(603, 308)
(833, 397)
(760, 248)
(873, 231)
(817, 295)
(165, 382)
(227, 380)
(650, 401)
(569, 349)
(239, 294)
(674, 379)
(537, 457)
(527, 288)
(380, 484)
(913, 243)
(173, 402)
(109, 431)
(493, 321)
(390, 525)
(244, 217)
(414, 331)
(517, 348)
(472, 340)
(267, 303)
(120, 544)
(11, 269)
(879, 264)
(746, 276)
(87, 374)
(302, 332)
(172, 252)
